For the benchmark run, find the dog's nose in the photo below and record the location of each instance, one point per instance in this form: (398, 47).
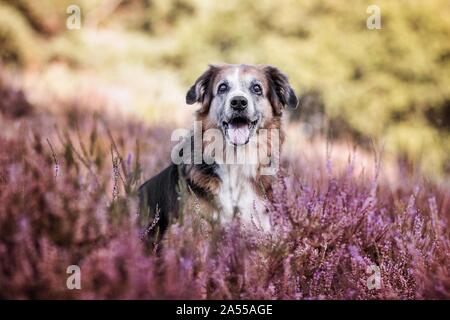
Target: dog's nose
(239, 103)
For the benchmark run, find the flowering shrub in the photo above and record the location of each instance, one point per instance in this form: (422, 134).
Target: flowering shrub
(68, 197)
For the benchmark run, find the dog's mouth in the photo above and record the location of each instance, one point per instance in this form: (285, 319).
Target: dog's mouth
(239, 130)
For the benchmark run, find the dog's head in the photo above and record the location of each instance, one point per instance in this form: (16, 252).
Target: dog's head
(241, 99)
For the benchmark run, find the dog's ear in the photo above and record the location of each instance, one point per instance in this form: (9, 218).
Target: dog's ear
(201, 90)
(281, 93)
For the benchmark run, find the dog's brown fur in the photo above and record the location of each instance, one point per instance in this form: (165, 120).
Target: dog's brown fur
(261, 183)
(203, 179)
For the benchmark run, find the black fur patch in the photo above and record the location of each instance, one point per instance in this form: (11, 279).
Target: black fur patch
(292, 100)
(191, 96)
(159, 195)
(280, 90)
(201, 91)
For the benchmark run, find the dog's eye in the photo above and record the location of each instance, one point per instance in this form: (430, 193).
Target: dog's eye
(222, 88)
(257, 89)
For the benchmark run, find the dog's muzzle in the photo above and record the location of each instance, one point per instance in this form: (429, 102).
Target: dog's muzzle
(239, 129)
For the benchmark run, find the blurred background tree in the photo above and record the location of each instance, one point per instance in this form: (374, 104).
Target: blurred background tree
(389, 86)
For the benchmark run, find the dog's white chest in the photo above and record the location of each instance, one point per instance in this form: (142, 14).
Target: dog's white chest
(237, 196)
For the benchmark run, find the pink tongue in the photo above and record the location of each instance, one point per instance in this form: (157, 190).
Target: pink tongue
(238, 134)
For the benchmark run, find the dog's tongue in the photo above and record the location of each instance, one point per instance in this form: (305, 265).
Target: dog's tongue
(238, 133)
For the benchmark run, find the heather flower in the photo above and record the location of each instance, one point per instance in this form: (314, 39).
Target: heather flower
(330, 224)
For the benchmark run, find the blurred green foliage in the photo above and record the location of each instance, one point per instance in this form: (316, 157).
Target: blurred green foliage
(391, 85)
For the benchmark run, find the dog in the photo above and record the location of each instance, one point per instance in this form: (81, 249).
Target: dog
(240, 102)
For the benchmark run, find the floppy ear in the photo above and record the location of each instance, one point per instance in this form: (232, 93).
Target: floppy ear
(281, 93)
(201, 90)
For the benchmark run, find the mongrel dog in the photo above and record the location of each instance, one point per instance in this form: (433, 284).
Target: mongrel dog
(241, 102)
